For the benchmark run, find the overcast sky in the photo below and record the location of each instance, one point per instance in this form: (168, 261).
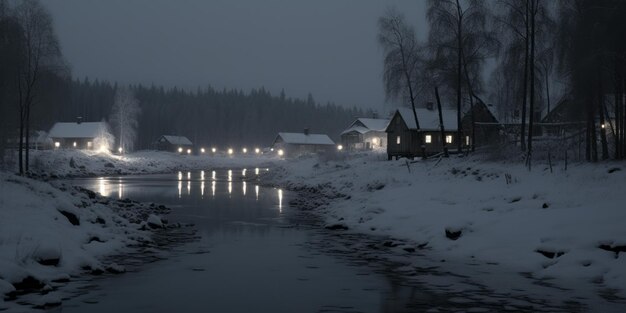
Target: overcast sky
(327, 47)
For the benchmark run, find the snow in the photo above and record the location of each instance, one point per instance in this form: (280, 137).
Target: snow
(304, 139)
(429, 119)
(47, 233)
(506, 214)
(358, 129)
(91, 163)
(78, 130)
(177, 140)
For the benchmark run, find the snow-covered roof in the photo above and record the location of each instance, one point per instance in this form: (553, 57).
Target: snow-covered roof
(78, 130)
(375, 124)
(303, 139)
(358, 129)
(177, 140)
(365, 125)
(429, 119)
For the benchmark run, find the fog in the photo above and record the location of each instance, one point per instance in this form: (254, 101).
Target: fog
(328, 48)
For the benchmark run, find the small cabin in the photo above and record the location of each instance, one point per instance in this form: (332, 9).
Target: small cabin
(486, 126)
(365, 134)
(296, 144)
(565, 119)
(77, 135)
(173, 143)
(409, 138)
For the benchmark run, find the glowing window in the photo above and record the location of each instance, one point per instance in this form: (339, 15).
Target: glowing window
(467, 140)
(89, 144)
(449, 139)
(428, 139)
(398, 140)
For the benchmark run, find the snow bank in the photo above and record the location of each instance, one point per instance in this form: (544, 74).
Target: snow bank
(68, 162)
(48, 234)
(567, 225)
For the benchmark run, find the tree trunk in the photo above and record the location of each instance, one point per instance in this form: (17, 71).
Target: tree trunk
(459, 79)
(603, 126)
(27, 146)
(616, 107)
(441, 126)
(525, 84)
(548, 91)
(531, 108)
(21, 143)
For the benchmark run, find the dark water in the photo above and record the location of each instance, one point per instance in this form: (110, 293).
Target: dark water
(256, 261)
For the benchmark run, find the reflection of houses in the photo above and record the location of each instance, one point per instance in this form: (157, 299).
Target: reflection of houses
(365, 134)
(486, 126)
(77, 135)
(295, 144)
(406, 139)
(173, 143)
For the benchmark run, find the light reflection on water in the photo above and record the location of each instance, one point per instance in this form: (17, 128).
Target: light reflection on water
(105, 186)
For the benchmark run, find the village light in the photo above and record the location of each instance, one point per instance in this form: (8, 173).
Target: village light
(180, 150)
(57, 144)
(202, 150)
(339, 147)
(120, 149)
(272, 149)
(245, 150)
(603, 126)
(230, 151)
(89, 144)
(213, 150)
(257, 150)
(281, 152)
(74, 144)
(188, 151)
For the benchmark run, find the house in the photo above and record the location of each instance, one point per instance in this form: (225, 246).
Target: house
(173, 143)
(295, 144)
(405, 138)
(486, 126)
(365, 134)
(563, 120)
(77, 135)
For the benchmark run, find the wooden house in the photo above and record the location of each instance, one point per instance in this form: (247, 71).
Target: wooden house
(296, 144)
(486, 126)
(77, 135)
(406, 138)
(173, 143)
(563, 120)
(365, 134)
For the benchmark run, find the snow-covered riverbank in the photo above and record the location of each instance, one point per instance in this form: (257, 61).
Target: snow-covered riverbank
(567, 225)
(81, 163)
(51, 233)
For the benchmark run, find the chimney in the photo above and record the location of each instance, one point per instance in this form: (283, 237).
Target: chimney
(430, 106)
(306, 131)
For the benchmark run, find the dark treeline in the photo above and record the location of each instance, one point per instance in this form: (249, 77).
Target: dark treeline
(208, 116)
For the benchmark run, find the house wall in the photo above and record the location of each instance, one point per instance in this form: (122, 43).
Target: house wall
(409, 139)
(295, 150)
(68, 143)
(368, 141)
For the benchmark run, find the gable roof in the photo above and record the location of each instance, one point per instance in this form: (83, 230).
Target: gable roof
(365, 125)
(177, 140)
(428, 119)
(78, 130)
(303, 139)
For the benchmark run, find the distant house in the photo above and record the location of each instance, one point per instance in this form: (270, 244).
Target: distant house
(295, 144)
(407, 139)
(38, 140)
(486, 125)
(173, 143)
(365, 134)
(77, 135)
(563, 120)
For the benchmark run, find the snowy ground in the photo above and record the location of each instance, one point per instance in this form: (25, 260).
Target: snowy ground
(554, 227)
(81, 163)
(50, 234)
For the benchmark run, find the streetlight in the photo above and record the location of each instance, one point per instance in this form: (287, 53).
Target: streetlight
(257, 150)
(339, 147)
(281, 152)
(120, 149)
(213, 150)
(180, 150)
(245, 150)
(188, 151)
(230, 151)
(57, 145)
(202, 150)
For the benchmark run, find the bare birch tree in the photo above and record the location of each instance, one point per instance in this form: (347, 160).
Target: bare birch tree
(125, 119)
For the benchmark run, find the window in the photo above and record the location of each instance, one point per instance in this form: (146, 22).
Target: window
(89, 144)
(467, 140)
(398, 140)
(448, 138)
(428, 139)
